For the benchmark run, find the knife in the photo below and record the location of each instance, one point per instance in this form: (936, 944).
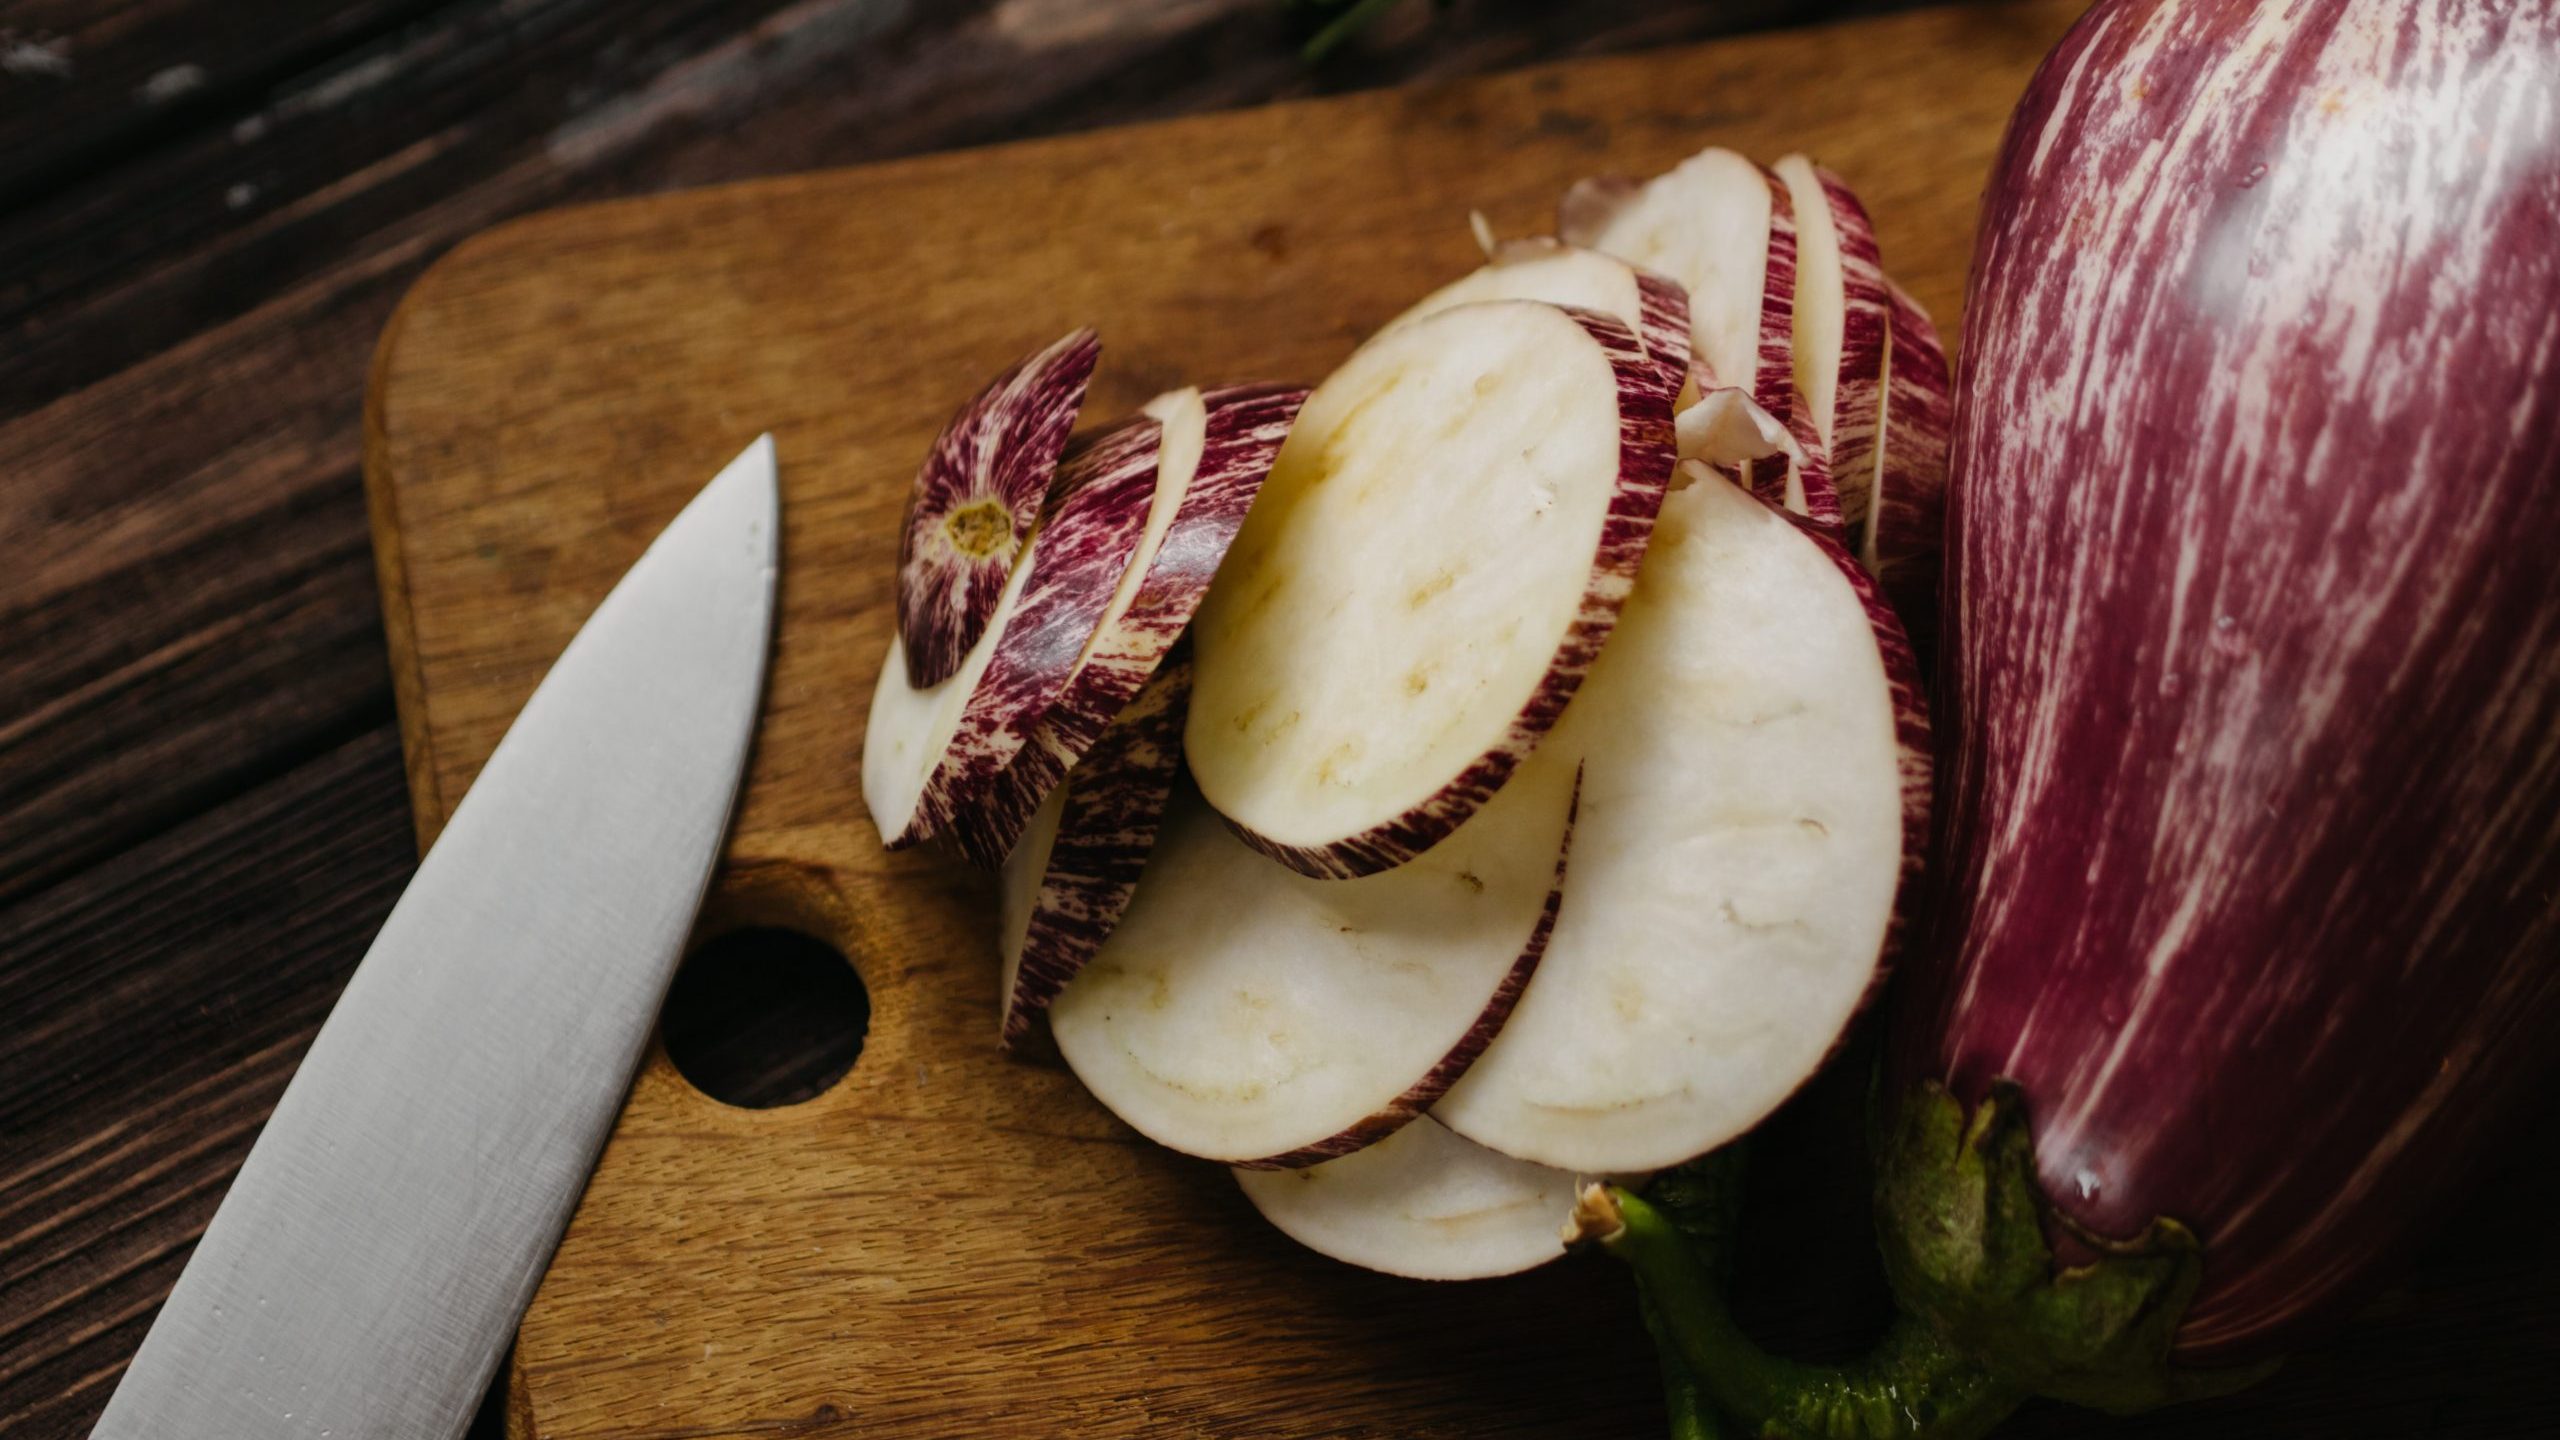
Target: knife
(363, 1275)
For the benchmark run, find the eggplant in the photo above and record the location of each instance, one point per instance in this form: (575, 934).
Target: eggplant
(2247, 909)
(2254, 893)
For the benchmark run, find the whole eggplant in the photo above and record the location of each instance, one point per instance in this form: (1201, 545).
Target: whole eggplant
(2247, 929)
(2253, 864)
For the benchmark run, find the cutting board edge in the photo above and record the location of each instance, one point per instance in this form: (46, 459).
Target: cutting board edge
(419, 450)
(391, 567)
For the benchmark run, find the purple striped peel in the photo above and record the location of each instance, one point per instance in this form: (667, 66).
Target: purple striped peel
(1089, 866)
(1243, 429)
(1096, 515)
(2254, 900)
(976, 498)
(1907, 519)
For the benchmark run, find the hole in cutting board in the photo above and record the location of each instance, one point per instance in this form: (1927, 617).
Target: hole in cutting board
(764, 1017)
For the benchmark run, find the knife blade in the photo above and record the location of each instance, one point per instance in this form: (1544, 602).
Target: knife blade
(363, 1275)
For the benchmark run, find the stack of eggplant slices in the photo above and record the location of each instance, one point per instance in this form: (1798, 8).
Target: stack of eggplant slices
(1502, 765)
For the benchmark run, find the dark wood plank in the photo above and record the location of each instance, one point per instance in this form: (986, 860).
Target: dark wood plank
(155, 1007)
(92, 78)
(436, 129)
(329, 164)
(199, 633)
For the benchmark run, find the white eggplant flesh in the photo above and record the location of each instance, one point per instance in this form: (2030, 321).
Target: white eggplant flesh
(1723, 228)
(909, 729)
(1839, 341)
(1066, 885)
(1422, 1203)
(1739, 859)
(1724, 430)
(1541, 268)
(1440, 552)
(1246, 1013)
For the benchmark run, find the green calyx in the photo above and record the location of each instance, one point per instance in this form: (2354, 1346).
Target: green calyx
(1987, 1320)
(1962, 1223)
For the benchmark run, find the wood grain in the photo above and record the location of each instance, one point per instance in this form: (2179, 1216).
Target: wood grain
(115, 1156)
(947, 1241)
(201, 814)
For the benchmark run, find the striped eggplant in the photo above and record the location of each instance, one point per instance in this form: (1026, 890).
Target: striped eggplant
(2248, 930)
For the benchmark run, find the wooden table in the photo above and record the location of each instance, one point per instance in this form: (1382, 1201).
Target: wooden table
(205, 217)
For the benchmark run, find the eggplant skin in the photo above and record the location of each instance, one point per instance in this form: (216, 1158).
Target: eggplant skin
(2252, 877)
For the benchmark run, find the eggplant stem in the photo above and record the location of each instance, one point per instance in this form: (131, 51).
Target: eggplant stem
(1912, 1386)
(1692, 1415)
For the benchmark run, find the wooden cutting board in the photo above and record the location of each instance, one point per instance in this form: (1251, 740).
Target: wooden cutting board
(948, 1243)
